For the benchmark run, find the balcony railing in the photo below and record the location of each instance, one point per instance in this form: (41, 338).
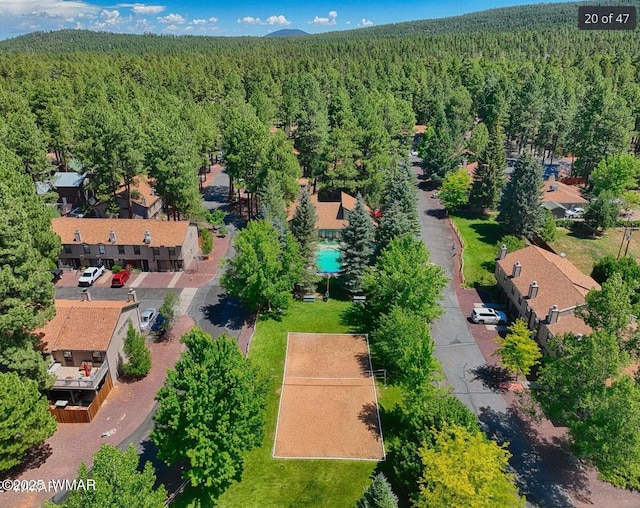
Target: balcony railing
(63, 380)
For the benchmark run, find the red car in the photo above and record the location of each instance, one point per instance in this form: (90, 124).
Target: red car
(120, 278)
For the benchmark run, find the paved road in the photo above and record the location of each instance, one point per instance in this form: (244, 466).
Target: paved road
(459, 355)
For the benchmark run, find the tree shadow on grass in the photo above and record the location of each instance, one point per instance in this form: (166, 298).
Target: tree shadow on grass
(34, 458)
(543, 473)
(356, 318)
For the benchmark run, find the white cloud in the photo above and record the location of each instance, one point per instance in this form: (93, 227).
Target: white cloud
(348, 23)
(46, 8)
(249, 20)
(271, 20)
(329, 20)
(171, 28)
(198, 21)
(277, 20)
(147, 9)
(110, 17)
(213, 19)
(172, 18)
(365, 22)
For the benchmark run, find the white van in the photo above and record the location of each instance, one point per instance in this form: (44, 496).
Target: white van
(483, 315)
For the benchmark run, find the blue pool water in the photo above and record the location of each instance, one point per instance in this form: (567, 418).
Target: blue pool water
(328, 260)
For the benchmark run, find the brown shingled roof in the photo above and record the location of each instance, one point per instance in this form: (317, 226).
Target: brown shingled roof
(329, 211)
(128, 231)
(144, 186)
(563, 194)
(560, 283)
(82, 326)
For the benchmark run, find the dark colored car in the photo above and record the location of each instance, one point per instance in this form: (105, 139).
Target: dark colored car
(158, 325)
(120, 278)
(56, 274)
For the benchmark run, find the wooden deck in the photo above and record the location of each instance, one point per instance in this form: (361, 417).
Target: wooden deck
(83, 414)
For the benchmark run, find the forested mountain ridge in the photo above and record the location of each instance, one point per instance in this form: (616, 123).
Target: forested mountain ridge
(535, 17)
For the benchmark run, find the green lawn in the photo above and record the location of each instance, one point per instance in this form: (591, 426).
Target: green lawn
(269, 482)
(584, 251)
(480, 235)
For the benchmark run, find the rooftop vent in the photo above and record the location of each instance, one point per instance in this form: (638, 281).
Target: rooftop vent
(517, 268)
(147, 237)
(112, 236)
(553, 187)
(77, 236)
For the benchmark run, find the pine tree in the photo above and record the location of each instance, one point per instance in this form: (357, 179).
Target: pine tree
(138, 361)
(303, 228)
(488, 179)
(436, 149)
(520, 210)
(358, 237)
(392, 224)
(270, 199)
(378, 494)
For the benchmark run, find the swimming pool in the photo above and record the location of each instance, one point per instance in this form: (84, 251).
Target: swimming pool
(328, 260)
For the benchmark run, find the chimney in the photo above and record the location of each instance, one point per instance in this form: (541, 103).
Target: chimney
(579, 336)
(131, 296)
(502, 253)
(533, 290)
(147, 237)
(464, 162)
(517, 268)
(554, 312)
(112, 236)
(85, 296)
(552, 177)
(77, 236)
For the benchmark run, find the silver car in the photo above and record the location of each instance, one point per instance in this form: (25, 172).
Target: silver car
(147, 317)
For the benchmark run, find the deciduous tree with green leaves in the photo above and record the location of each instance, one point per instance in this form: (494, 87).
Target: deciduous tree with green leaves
(454, 191)
(517, 351)
(357, 245)
(616, 174)
(465, 468)
(263, 272)
(520, 210)
(210, 412)
(404, 276)
(603, 212)
(138, 362)
(117, 482)
(169, 310)
(207, 241)
(26, 421)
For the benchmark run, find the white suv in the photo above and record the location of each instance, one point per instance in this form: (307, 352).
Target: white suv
(574, 213)
(90, 275)
(483, 315)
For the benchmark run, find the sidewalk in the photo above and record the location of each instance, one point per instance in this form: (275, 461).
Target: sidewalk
(124, 410)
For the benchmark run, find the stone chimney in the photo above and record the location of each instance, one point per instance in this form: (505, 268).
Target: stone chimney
(517, 268)
(77, 236)
(502, 253)
(554, 312)
(552, 177)
(112, 236)
(147, 237)
(533, 290)
(131, 296)
(85, 296)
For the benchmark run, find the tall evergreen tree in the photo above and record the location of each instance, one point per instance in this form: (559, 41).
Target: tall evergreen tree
(303, 228)
(520, 210)
(436, 149)
(488, 179)
(394, 222)
(356, 253)
(271, 202)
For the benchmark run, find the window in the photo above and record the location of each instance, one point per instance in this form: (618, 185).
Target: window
(156, 251)
(136, 250)
(505, 278)
(96, 356)
(172, 251)
(67, 249)
(101, 249)
(519, 300)
(86, 249)
(121, 250)
(513, 290)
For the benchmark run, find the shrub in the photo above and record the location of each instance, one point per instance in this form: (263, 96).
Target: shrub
(513, 243)
(138, 361)
(116, 268)
(207, 241)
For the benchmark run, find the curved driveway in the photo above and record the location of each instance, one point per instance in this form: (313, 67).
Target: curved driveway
(460, 356)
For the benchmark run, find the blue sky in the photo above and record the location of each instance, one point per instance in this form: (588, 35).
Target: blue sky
(224, 17)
